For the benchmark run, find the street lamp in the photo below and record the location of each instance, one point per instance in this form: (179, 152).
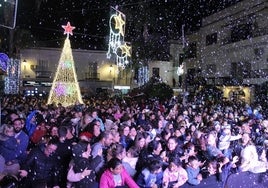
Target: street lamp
(24, 63)
(112, 69)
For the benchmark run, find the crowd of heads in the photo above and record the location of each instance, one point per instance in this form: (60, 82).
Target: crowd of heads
(143, 137)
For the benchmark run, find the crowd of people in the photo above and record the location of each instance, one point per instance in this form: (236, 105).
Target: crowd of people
(114, 143)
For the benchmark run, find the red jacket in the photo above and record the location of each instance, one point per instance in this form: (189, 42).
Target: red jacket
(107, 180)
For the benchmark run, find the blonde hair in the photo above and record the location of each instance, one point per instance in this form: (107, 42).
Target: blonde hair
(6, 128)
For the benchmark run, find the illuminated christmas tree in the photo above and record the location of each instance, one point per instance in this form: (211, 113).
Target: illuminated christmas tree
(65, 88)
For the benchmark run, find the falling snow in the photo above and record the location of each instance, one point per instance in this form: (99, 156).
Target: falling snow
(91, 18)
(150, 25)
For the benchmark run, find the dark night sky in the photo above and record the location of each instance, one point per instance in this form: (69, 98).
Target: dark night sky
(41, 20)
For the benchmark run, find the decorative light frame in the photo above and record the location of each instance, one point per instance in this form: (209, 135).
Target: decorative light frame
(117, 46)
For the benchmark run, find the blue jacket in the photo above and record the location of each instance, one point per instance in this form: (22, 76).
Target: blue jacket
(145, 179)
(23, 141)
(192, 175)
(30, 126)
(8, 145)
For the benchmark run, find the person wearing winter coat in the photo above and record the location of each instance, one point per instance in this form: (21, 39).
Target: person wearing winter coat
(193, 171)
(22, 140)
(174, 175)
(82, 159)
(31, 124)
(8, 143)
(151, 176)
(40, 168)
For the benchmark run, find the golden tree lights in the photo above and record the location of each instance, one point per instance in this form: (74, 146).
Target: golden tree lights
(65, 88)
(117, 46)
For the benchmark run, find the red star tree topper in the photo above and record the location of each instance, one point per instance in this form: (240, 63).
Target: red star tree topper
(68, 29)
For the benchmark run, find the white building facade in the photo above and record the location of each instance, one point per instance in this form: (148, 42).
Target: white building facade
(230, 50)
(94, 70)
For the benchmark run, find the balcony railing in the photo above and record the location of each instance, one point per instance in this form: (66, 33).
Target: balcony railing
(92, 76)
(43, 74)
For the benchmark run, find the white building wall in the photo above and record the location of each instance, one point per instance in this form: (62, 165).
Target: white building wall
(215, 60)
(82, 58)
(224, 52)
(166, 70)
(107, 72)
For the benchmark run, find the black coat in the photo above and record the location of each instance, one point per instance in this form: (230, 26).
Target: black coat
(63, 156)
(41, 168)
(80, 164)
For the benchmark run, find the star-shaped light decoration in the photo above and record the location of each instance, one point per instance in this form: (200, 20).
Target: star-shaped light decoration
(119, 24)
(68, 29)
(125, 50)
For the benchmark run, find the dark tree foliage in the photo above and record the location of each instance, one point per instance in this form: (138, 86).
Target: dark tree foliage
(154, 89)
(210, 93)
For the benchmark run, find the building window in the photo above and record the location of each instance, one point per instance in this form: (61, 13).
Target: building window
(181, 58)
(190, 51)
(190, 76)
(241, 32)
(155, 72)
(258, 53)
(42, 64)
(211, 39)
(246, 67)
(240, 70)
(211, 69)
(92, 72)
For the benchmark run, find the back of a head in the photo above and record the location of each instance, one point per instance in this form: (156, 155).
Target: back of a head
(175, 160)
(9, 181)
(191, 159)
(153, 145)
(104, 134)
(113, 163)
(62, 131)
(116, 149)
(154, 165)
